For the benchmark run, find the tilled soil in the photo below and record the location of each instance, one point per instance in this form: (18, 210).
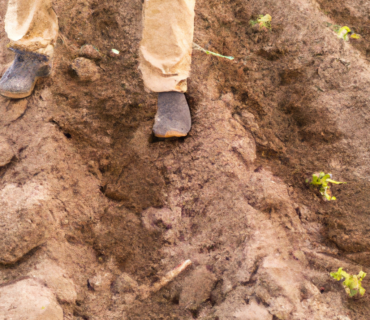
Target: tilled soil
(93, 207)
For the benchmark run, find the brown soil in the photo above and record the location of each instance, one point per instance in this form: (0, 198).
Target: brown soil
(115, 208)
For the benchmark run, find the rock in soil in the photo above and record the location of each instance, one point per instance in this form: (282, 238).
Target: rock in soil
(28, 300)
(56, 280)
(24, 218)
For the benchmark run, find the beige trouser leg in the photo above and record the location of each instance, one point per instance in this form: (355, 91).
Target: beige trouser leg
(31, 25)
(166, 45)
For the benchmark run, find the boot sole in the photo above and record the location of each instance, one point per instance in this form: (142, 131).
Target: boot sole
(14, 95)
(171, 134)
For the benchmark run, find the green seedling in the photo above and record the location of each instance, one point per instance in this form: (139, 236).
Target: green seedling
(264, 21)
(198, 47)
(344, 33)
(322, 180)
(351, 283)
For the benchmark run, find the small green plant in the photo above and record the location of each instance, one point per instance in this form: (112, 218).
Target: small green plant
(351, 283)
(264, 21)
(198, 47)
(344, 33)
(322, 181)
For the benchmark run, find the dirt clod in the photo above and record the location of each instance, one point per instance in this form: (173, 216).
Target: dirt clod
(197, 289)
(90, 52)
(85, 69)
(28, 299)
(6, 153)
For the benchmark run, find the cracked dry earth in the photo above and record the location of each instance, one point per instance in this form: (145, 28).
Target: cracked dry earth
(93, 207)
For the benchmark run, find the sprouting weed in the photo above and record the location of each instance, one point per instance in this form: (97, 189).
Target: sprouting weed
(344, 33)
(322, 181)
(351, 283)
(198, 47)
(264, 21)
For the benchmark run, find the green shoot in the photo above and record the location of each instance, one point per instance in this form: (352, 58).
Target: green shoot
(198, 47)
(264, 21)
(322, 181)
(351, 283)
(344, 33)
(115, 51)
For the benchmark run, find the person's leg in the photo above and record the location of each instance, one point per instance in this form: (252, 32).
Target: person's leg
(32, 27)
(165, 58)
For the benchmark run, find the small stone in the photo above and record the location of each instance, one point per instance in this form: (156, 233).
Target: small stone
(28, 299)
(113, 54)
(101, 282)
(6, 153)
(125, 284)
(85, 69)
(54, 277)
(90, 52)
(24, 221)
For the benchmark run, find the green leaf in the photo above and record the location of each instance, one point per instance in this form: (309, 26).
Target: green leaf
(322, 180)
(339, 274)
(361, 290)
(335, 182)
(355, 36)
(352, 292)
(266, 18)
(361, 275)
(315, 180)
(343, 33)
(352, 283)
(264, 21)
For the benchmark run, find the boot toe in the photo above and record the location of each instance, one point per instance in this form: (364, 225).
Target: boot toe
(20, 78)
(16, 87)
(173, 116)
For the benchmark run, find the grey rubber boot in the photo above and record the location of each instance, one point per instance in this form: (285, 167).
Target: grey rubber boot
(173, 116)
(20, 78)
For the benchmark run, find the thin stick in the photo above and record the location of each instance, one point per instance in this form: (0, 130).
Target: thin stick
(169, 276)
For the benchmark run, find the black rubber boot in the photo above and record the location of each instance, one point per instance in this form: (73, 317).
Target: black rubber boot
(20, 78)
(173, 116)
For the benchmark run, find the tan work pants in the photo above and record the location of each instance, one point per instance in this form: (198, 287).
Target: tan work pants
(31, 25)
(166, 45)
(165, 49)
